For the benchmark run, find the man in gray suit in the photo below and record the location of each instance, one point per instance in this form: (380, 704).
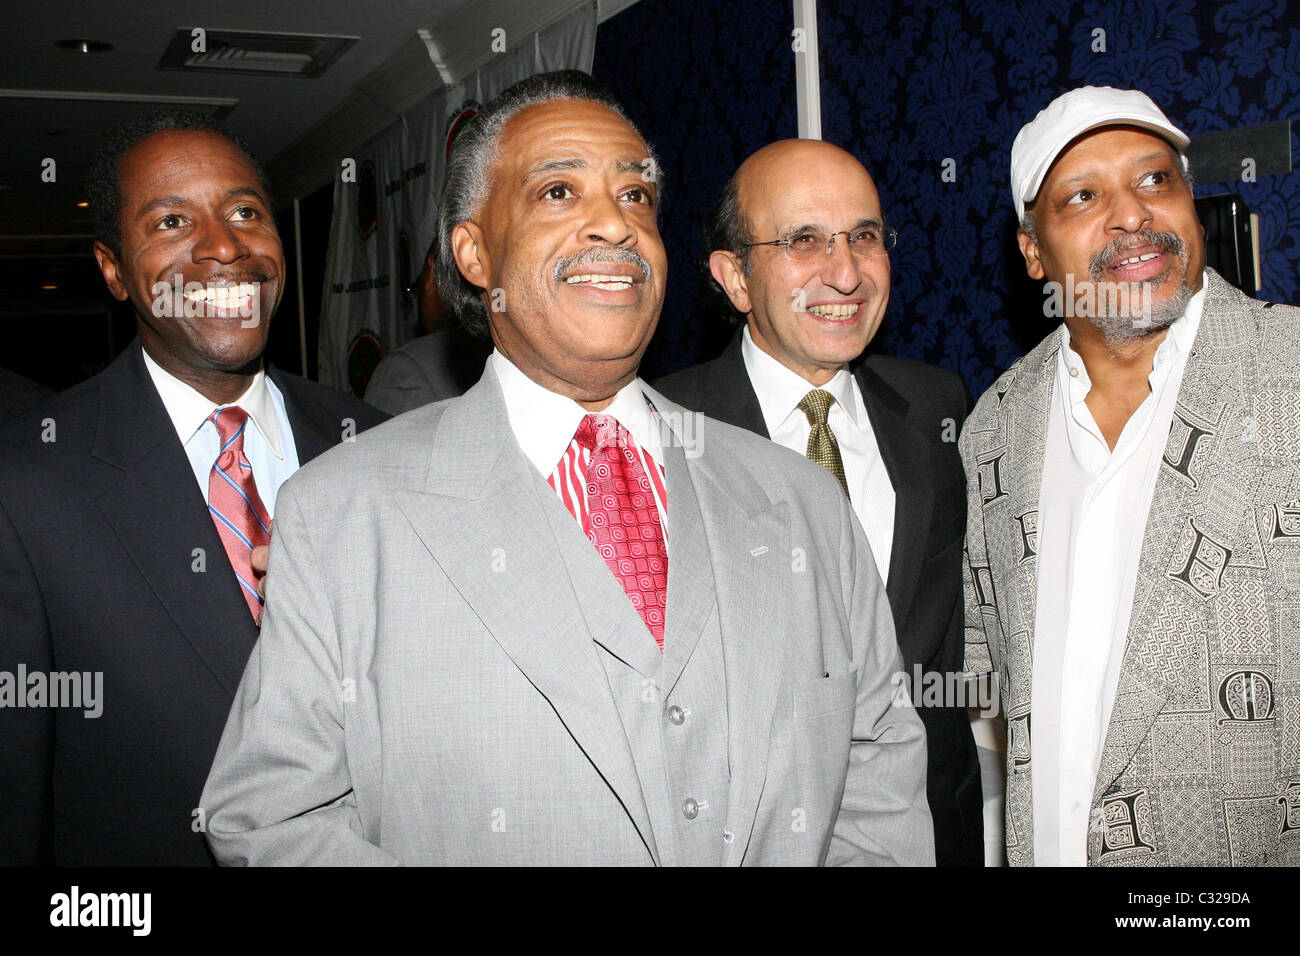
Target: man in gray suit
(1134, 519)
(713, 683)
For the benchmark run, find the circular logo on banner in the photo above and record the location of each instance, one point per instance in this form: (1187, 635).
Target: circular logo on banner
(364, 353)
(458, 122)
(367, 200)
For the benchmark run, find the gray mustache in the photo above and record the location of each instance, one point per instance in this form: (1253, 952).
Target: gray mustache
(1168, 242)
(598, 254)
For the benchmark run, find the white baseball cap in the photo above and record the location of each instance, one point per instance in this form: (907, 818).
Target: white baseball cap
(1071, 115)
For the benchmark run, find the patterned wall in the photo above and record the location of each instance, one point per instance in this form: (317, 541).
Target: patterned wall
(708, 83)
(906, 85)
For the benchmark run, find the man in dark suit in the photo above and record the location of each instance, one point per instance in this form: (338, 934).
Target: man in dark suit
(17, 392)
(799, 246)
(130, 506)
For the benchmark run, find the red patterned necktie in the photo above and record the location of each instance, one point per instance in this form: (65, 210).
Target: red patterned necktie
(624, 521)
(237, 509)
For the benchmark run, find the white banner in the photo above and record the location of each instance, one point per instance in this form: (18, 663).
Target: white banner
(385, 205)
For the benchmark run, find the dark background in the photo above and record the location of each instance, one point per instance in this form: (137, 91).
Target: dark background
(904, 86)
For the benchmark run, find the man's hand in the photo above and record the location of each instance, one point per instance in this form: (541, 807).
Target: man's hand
(258, 559)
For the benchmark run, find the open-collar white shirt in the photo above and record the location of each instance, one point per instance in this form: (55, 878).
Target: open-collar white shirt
(1092, 514)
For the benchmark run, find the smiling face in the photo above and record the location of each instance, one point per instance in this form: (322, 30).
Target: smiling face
(812, 316)
(193, 207)
(1114, 208)
(567, 249)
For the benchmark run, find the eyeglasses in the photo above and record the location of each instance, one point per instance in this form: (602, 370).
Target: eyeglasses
(864, 243)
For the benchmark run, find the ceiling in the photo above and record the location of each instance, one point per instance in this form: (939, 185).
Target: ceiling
(59, 105)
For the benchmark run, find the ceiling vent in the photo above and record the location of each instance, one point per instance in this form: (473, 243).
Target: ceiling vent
(263, 54)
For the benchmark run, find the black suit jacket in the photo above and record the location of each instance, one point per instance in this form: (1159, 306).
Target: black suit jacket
(913, 408)
(100, 519)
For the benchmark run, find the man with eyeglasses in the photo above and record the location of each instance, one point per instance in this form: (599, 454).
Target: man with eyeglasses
(798, 249)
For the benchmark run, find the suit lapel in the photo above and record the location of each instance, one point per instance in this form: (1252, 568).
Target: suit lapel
(746, 544)
(1210, 398)
(158, 514)
(906, 454)
(1007, 473)
(532, 609)
(692, 591)
(1026, 404)
(751, 544)
(610, 619)
(728, 394)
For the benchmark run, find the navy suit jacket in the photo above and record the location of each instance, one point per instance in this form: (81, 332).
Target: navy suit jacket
(916, 411)
(109, 562)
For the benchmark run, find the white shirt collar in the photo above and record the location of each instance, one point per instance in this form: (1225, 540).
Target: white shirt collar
(188, 409)
(544, 422)
(780, 390)
(1176, 344)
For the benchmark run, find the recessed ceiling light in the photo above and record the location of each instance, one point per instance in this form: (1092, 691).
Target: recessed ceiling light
(85, 46)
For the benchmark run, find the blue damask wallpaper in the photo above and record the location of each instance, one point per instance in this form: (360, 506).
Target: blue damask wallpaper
(708, 83)
(906, 85)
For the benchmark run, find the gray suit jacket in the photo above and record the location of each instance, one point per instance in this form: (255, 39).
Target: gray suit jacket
(1201, 764)
(431, 368)
(456, 688)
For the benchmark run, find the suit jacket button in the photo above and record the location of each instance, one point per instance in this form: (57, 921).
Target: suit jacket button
(690, 809)
(676, 715)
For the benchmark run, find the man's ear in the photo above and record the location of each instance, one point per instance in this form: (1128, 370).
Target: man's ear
(108, 268)
(470, 252)
(730, 274)
(1029, 249)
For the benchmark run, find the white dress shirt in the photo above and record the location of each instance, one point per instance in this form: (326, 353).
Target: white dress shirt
(544, 422)
(268, 445)
(1092, 514)
(779, 393)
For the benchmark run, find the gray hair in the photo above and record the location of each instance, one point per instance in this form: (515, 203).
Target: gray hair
(469, 174)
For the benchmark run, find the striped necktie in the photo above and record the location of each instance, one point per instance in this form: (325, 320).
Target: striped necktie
(237, 509)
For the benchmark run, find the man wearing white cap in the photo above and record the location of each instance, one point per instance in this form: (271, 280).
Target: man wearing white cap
(1133, 551)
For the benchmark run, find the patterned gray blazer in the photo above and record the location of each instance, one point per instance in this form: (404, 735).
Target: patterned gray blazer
(1201, 764)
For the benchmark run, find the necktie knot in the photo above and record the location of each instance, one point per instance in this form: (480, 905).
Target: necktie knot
(822, 446)
(600, 431)
(230, 422)
(817, 405)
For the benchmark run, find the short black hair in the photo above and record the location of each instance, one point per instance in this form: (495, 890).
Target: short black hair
(727, 229)
(103, 185)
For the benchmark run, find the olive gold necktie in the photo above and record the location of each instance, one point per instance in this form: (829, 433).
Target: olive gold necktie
(822, 446)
